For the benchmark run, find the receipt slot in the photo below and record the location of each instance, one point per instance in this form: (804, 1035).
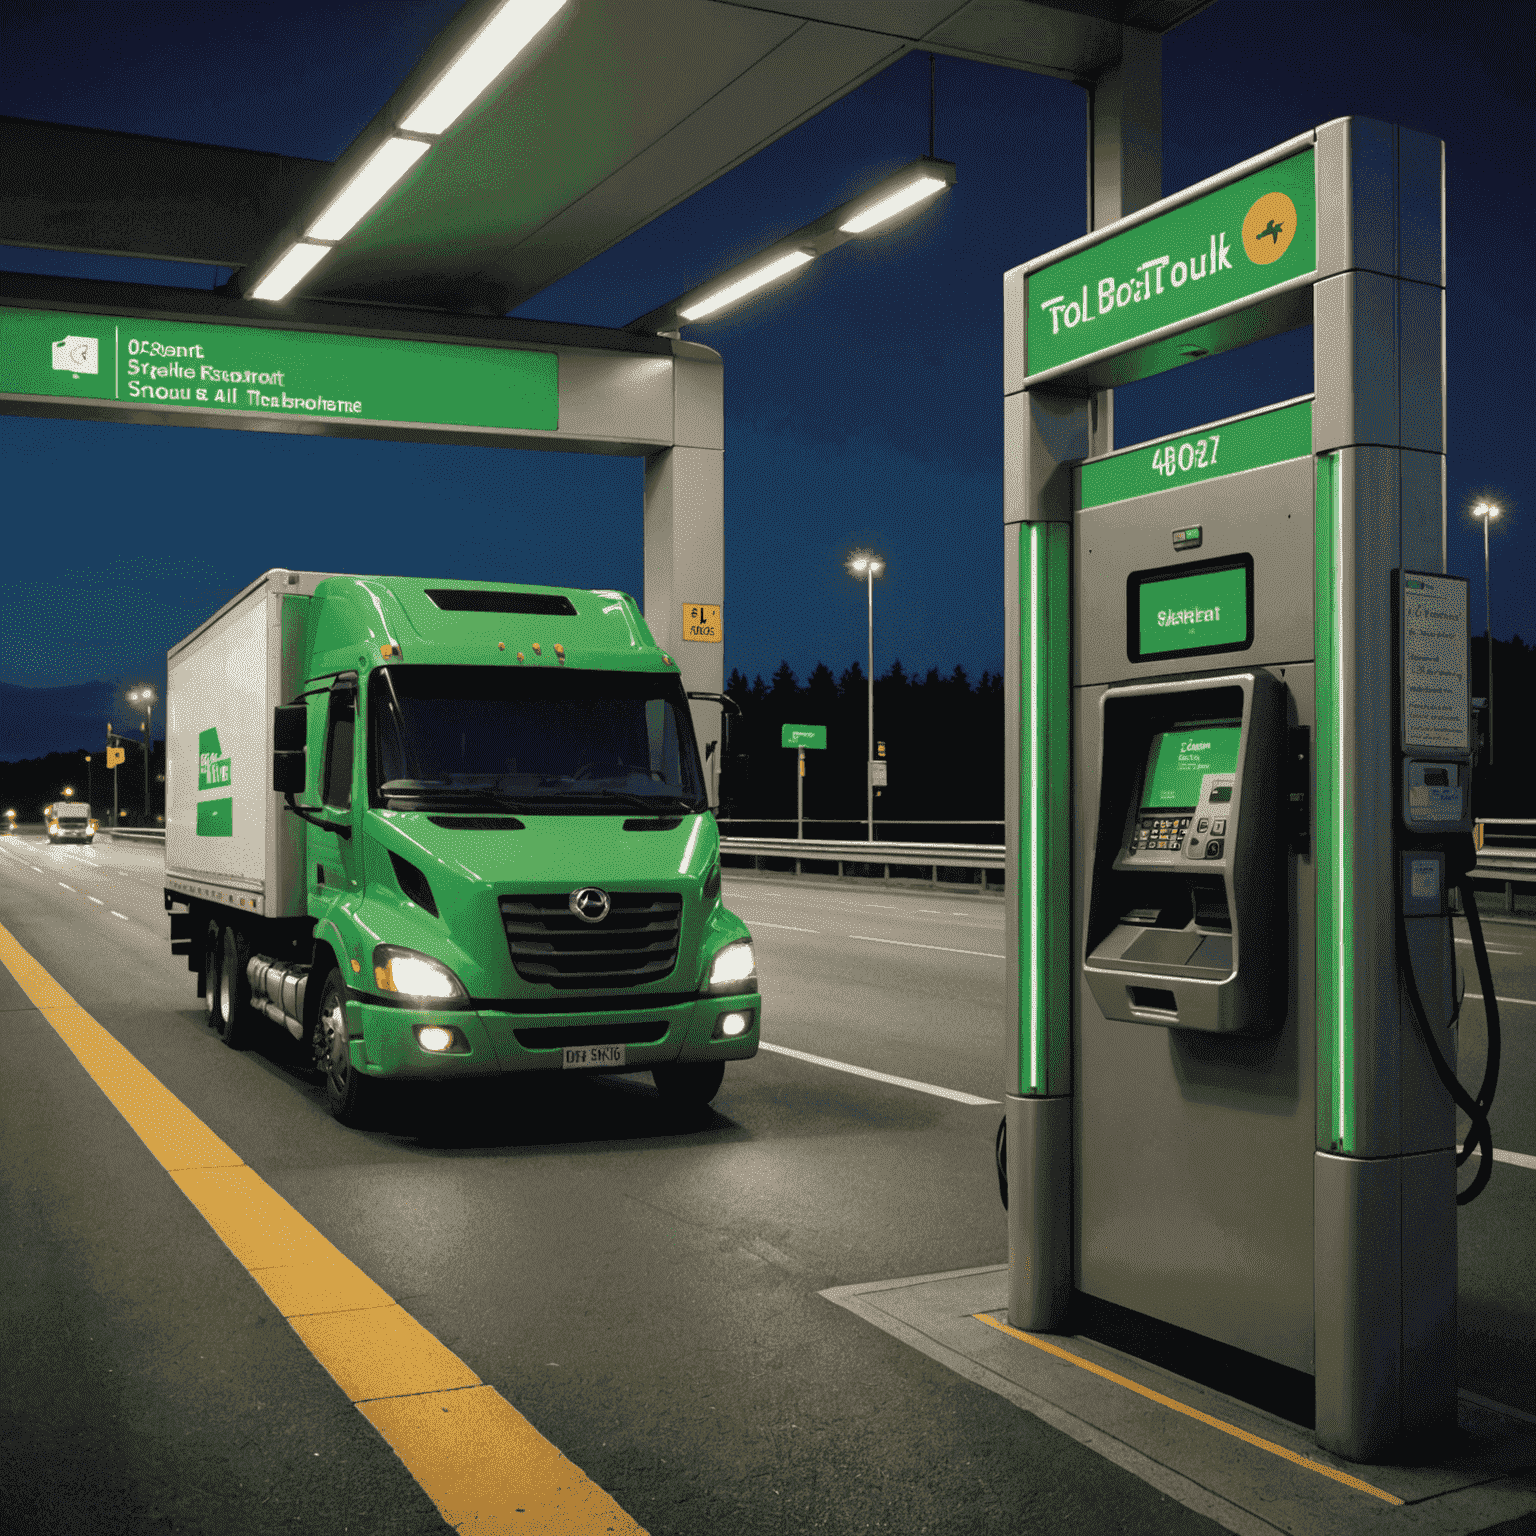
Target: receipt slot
(1187, 924)
(1222, 811)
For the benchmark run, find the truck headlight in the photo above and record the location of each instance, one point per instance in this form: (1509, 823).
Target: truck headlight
(410, 974)
(734, 965)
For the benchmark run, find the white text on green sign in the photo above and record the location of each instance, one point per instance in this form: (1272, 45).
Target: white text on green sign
(808, 736)
(1232, 244)
(186, 365)
(1248, 442)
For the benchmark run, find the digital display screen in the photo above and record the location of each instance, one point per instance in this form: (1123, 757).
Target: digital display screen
(1180, 759)
(1190, 610)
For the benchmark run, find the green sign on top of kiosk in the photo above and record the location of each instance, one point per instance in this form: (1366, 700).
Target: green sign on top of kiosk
(1229, 246)
(185, 365)
(1228, 447)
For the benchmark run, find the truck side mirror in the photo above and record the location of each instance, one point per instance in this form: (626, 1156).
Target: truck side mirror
(290, 724)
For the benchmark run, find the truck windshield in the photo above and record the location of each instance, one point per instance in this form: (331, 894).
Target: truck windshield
(556, 740)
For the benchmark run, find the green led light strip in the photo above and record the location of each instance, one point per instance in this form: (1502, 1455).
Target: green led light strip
(1335, 841)
(1044, 859)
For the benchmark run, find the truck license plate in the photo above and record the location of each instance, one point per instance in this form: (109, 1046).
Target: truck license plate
(593, 1056)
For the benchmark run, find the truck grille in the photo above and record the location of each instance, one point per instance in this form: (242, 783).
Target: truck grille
(636, 942)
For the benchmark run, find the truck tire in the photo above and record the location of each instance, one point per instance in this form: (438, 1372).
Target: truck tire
(229, 993)
(211, 974)
(689, 1082)
(353, 1097)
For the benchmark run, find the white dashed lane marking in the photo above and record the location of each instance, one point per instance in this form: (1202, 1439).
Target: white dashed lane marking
(879, 1077)
(984, 954)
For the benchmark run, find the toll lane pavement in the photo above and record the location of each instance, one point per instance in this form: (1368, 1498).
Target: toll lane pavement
(642, 1285)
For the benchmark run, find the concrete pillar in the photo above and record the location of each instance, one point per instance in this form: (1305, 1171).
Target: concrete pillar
(1042, 434)
(1385, 1212)
(685, 535)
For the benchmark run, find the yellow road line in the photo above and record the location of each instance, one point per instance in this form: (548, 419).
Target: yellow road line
(474, 1455)
(1193, 1413)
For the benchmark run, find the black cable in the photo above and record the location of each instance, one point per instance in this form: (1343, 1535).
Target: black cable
(1000, 1150)
(1490, 1081)
(1479, 1133)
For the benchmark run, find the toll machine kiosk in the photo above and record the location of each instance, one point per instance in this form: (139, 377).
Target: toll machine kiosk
(1218, 1111)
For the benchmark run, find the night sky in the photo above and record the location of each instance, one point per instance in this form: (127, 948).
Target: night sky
(862, 400)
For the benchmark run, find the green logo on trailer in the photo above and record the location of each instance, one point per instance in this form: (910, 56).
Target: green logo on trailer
(212, 765)
(215, 818)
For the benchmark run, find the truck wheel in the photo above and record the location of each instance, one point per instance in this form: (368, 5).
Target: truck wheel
(689, 1082)
(229, 994)
(211, 974)
(353, 1097)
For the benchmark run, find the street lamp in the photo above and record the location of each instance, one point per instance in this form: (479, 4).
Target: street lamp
(144, 697)
(1485, 512)
(865, 565)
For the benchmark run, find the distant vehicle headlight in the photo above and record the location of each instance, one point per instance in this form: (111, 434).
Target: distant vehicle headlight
(733, 965)
(410, 974)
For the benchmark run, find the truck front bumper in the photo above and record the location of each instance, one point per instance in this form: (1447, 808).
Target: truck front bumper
(384, 1039)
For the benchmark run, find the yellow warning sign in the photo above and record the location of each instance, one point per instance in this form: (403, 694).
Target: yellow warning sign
(1268, 228)
(701, 621)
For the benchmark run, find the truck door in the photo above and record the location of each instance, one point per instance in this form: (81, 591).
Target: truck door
(335, 861)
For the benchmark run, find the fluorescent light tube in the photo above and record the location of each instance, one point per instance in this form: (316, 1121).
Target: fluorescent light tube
(889, 207)
(489, 52)
(745, 285)
(291, 269)
(382, 169)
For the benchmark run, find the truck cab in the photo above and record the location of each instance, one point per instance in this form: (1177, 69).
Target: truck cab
(481, 843)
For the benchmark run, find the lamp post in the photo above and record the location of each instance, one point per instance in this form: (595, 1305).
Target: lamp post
(145, 698)
(1485, 512)
(864, 563)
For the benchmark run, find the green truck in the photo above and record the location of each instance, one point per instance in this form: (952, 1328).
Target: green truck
(448, 829)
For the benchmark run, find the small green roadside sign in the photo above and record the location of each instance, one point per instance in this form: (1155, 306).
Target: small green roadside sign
(1207, 453)
(805, 736)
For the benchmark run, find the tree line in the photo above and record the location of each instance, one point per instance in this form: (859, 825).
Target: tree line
(943, 737)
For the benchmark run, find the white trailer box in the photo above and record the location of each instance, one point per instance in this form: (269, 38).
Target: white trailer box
(228, 838)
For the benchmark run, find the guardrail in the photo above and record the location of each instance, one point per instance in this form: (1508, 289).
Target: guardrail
(137, 834)
(877, 855)
(1509, 866)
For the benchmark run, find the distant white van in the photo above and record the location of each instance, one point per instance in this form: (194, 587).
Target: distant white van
(69, 821)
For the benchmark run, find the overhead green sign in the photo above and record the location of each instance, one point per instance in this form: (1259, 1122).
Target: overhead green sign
(1232, 244)
(192, 366)
(805, 736)
(1207, 453)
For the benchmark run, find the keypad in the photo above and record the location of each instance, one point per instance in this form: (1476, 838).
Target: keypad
(1160, 834)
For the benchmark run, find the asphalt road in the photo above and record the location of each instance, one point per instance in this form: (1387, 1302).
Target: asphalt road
(641, 1284)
